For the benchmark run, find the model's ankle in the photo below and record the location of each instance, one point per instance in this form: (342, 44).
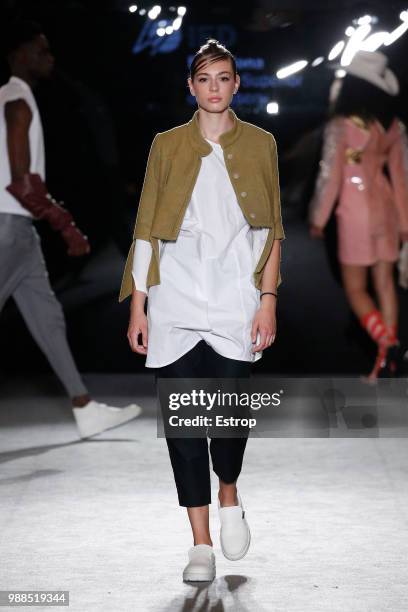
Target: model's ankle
(79, 401)
(228, 496)
(207, 541)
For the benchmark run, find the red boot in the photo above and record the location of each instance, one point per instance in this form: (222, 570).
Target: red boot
(388, 345)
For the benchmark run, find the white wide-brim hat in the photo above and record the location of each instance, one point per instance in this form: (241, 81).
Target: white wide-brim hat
(372, 67)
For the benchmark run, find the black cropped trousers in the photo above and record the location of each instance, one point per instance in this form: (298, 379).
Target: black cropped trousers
(189, 456)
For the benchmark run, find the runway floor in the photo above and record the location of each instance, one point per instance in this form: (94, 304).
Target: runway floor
(100, 518)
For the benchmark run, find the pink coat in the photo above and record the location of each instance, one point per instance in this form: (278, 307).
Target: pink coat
(372, 208)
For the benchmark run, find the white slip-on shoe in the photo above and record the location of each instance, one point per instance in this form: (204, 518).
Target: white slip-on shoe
(201, 565)
(95, 417)
(235, 536)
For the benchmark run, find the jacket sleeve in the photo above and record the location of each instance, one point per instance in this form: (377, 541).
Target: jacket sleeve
(148, 198)
(329, 177)
(145, 214)
(398, 167)
(279, 234)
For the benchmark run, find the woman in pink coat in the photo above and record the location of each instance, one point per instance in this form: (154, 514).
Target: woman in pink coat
(361, 140)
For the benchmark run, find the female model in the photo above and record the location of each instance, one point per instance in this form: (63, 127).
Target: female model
(361, 138)
(206, 249)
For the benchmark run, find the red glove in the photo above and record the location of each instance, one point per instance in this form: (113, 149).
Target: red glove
(32, 193)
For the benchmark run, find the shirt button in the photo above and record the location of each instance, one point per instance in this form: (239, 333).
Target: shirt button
(252, 215)
(230, 156)
(244, 194)
(235, 175)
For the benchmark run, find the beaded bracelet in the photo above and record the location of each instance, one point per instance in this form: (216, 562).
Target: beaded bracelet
(268, 293)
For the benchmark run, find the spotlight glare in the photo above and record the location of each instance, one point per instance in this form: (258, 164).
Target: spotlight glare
(317, 61)
(395, 34)
(374, 42)
(291, 69)
(354, 44)
(272, 108)
(181, 10)
(132, 8)
(364, 20)
(349, 31)
(142, 12)
(177, 23)
(169, 29)
(154, 12)
(336, 50)
(160, 31)
(340, 74)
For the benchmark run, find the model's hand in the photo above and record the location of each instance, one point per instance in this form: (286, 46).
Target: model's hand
(75, 240)
(264, 323)
(404, 236)
(316, 231)
(138, 325)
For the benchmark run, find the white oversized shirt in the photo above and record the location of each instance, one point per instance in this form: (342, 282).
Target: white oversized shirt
(206, 289)
(17, 89)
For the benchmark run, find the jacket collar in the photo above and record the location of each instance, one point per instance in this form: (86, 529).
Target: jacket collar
(199, 143)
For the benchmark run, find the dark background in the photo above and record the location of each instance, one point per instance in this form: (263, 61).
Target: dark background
(114, 87)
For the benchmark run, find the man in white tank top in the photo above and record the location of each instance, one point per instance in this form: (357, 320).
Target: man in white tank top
(23, 198)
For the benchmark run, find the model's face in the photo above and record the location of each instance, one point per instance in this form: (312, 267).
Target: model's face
(214, 85)
(38, 57)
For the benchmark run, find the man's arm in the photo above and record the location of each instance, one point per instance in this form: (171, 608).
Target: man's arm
(30, 189)
(18, 119)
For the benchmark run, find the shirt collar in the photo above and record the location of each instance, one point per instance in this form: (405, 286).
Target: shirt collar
(226, 139)
(23, 84)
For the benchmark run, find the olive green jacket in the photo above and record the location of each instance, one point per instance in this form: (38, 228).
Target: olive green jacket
(172, 169)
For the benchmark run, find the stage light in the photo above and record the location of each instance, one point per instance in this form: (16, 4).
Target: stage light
(336, 50)
(272, 108)
(160, 31)
(154, 12)
(364, 20)
(374, 42)
(317, 61)
(354, 44)
(142, 12)
(340, 73)
(169, 29)
(177, 23)
(291, 69)
(349, 31)
(395, 34)
(132, 8)
(404, 16)
(181, 11)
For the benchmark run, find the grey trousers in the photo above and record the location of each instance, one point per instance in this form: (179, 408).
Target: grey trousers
(24, 276)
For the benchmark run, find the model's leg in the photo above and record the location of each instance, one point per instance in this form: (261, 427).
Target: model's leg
(227, 457)
(371, 319)
(45, 319)
(13, 258)
(227, 453)
(384, 284)
(355, 287)
(189, 456)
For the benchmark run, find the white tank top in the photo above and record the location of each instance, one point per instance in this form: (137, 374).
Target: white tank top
(17, 89)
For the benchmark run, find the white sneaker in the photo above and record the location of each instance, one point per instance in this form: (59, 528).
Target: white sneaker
(95, 417)
(201, 566)
(235, 536)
